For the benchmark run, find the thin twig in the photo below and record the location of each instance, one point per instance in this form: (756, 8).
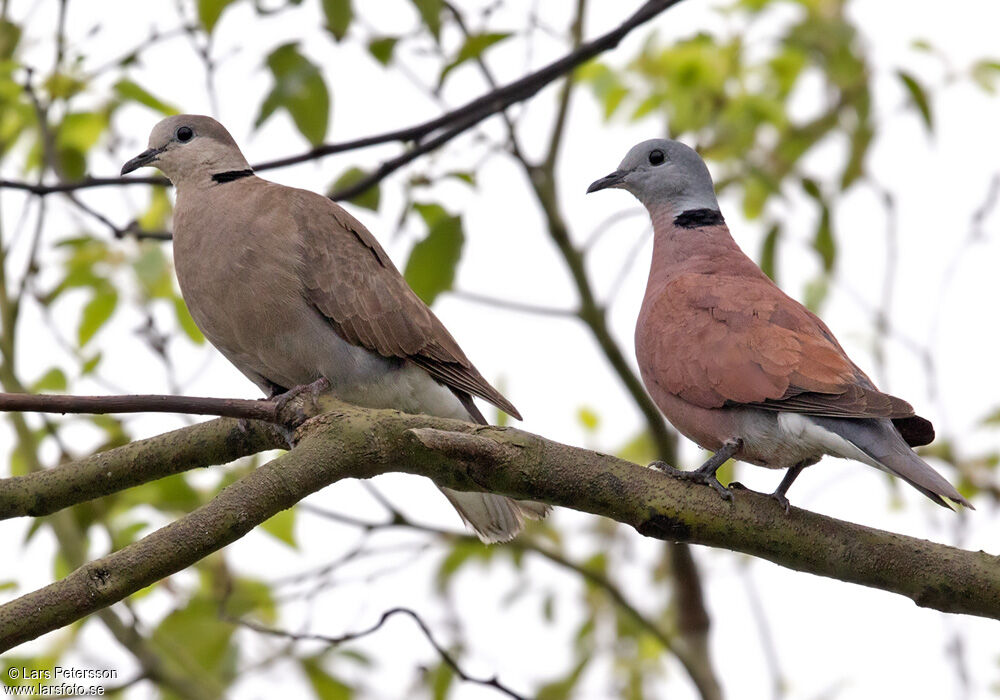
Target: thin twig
(454, 122)
(254, 409)
(516, 306)
(447, 658)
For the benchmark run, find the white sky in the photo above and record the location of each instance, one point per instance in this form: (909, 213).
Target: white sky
(833, 639)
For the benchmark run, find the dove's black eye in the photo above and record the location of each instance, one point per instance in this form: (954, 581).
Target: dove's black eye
(656, 157)
(184, 133)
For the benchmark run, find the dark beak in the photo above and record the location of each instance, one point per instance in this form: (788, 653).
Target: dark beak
(613, 180)
(147, 157)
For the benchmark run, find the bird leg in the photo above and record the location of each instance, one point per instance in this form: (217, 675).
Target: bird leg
(297, 415)
(786, 481)
(705, 474)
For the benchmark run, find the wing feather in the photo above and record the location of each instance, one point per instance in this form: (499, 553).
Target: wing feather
(717, 340)
(350, 279)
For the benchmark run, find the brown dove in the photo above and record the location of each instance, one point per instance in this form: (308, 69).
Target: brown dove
(738, 366)
(291, 289)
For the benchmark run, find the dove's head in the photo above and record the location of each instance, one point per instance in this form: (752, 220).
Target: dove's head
(660, 172)
(190, 148)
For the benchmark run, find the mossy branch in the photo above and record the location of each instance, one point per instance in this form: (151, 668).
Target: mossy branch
(351, 442)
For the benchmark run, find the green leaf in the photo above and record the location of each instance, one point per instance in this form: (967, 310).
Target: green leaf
(282, 527)
(53, 380)
(159, 212)
(606, 86)
(430, 213)
(170, 495)
(468, 178)
(204, 638)
(252, 597)
(381, 49)
(641, 449)
(768, 252)
(10, 37)
(96, 313)
(861, 139)
(430, 269)
(90, 364)
(918, 96)
(823, 241)
(187, 323)
(440, 679)
(62, 86)
(152, 270)
(430, 14)
(588, 418)
(339, 14)
(473, 48)
(130, 90)
(815, 293)
(369, 199)
(323, 684)
(756, 191)
(811, 188)
(209, 12)
(299, 89)
(77, 134)
(124, 536)
(986, 73)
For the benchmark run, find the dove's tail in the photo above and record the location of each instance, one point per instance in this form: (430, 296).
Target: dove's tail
(887, 450)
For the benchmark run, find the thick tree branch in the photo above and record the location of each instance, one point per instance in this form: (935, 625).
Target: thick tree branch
(202, 445)
(437, 131)
(360, 443)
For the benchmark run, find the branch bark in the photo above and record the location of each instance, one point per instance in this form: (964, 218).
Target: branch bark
(351, 442)
(214, 442)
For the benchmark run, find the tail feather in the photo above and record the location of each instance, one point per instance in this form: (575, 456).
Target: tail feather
(494, 518)
(883, 443)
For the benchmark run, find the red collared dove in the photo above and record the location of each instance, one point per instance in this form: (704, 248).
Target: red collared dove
(738, 366)
(291, 289)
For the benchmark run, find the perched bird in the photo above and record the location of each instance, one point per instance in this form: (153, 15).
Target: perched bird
(738, 366)
(291, 289)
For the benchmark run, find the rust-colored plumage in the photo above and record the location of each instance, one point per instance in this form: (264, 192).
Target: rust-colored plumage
(725, 335)
(737, 365)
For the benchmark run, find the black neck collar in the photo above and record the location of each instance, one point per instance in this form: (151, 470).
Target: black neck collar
(231, 175)
(696, 218)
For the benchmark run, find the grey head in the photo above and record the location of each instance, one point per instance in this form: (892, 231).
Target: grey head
(190, 147)
(661, 172)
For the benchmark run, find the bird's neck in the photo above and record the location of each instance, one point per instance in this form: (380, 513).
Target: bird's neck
(211, 170)
(693, 239)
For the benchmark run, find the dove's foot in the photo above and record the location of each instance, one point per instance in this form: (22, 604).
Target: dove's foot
(290, 407)
(786, 481)
(705, 474)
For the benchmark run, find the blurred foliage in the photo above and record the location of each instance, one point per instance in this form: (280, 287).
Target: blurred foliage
(757, 114)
